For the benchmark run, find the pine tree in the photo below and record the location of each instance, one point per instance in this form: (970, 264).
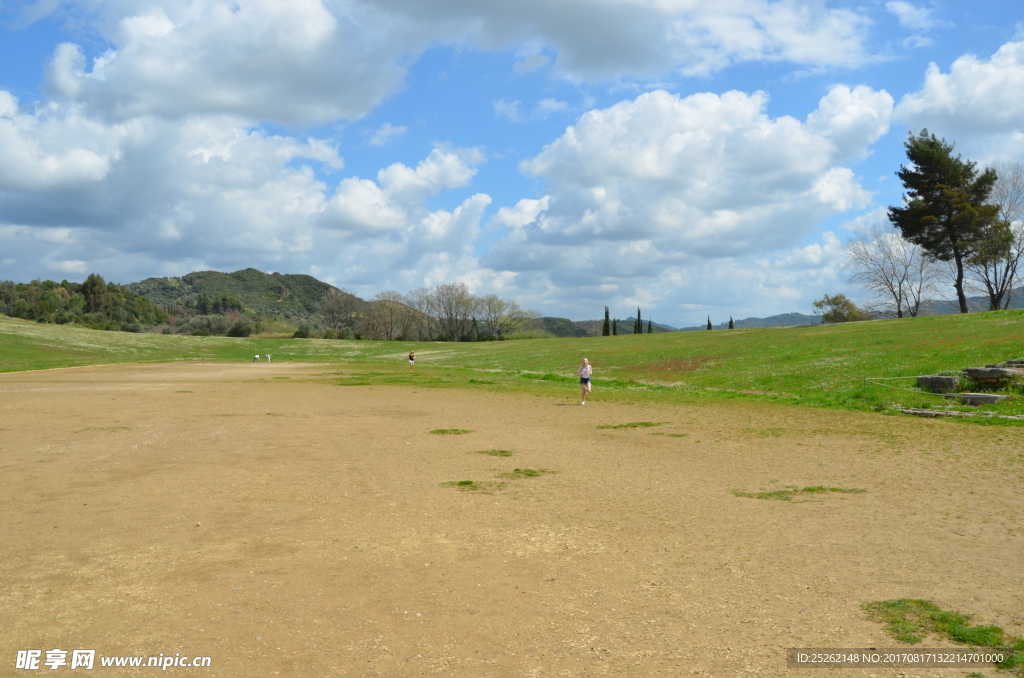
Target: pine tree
(650, 327)
(709, 323)
(615, 327)
(607, 328)
(944, 208)
(732, 325)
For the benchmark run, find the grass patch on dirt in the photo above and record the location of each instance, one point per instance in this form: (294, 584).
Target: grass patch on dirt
(791, 492)
(670, 435)
(473, 485)
(526, 473)
(450, 431)
(634, 424)
(495, 453)
(909, 621)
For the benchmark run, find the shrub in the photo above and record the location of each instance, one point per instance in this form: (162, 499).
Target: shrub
(839, 309)
(241, 327)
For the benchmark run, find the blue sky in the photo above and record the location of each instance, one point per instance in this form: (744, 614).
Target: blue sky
(692, 158)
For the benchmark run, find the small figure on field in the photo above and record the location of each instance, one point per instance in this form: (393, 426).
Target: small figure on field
(268, 357)
(257, 358)
(584, 372)
(412, 359)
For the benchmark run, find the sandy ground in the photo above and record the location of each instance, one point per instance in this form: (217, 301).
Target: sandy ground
(285, 525)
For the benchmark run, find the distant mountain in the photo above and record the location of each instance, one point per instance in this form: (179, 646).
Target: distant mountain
(975, 304)
(561, 327)
(271, 294)
(781, 320)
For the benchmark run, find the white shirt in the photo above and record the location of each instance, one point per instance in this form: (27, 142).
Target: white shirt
(585, 371)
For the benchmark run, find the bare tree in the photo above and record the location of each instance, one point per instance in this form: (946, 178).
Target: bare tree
(387, 317)
(339, 310)
(454, 308)
(898, 273)
(996, 264)
(424, 305)
(500, 317)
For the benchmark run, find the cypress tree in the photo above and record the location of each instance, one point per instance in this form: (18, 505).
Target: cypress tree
(732, 325)
(615, 327)
(607, 328)
(638, 326)
(650, 327)
(709, 323)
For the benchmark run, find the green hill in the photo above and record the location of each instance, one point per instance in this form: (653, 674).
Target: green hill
(270, 294)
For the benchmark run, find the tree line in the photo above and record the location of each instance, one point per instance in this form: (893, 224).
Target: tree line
(94, 303)
(447, 312)
(959, 227)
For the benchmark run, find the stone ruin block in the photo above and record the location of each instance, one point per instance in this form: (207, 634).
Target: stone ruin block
(993, 376)
(939, 384)
(978, 398)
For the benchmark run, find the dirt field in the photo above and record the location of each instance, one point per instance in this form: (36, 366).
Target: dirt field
(285, 525)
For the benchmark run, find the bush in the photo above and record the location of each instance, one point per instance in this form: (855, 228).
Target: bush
(305, 331)
(241, 327)
(200, 333)
(839, 309)
(346, 333)
(330, 334)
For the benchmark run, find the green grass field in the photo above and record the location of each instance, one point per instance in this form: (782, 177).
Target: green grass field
(823, 366)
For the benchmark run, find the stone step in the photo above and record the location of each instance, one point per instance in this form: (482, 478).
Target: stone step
(939, 384)
(978, 398)
(992, 373)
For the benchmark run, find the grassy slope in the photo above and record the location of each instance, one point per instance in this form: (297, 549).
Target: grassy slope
(823, 366)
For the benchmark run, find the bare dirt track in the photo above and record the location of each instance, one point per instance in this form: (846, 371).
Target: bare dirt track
(284, 525)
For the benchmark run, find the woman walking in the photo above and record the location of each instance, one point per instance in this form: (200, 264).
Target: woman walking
(412, 360)
(585, 371)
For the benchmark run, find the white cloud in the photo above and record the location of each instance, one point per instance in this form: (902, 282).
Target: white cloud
(547, 106)
(386, 133)
(315, 61)
(510, 110)
(292, 63)
(56, 147)
(913, 17)
(626, 38)
(979, 103)
(666, 183)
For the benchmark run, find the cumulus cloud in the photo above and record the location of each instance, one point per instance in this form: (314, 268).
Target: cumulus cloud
(295, 64)
(979, 103)
(626, 38)
(315, 61)
(395, 201)
(706, 175)
(56, 147)
(664, 183)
